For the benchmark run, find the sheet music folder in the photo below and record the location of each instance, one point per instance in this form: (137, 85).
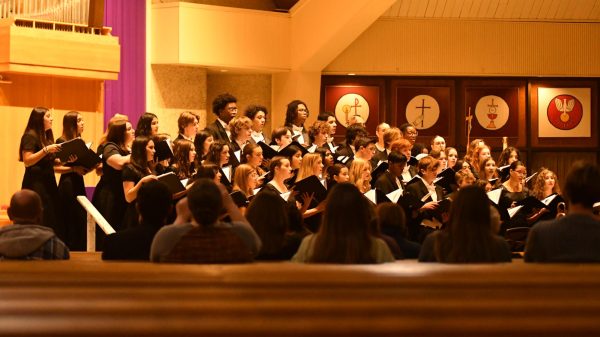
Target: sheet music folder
(172, 182)
(77, 147)
(311, 185)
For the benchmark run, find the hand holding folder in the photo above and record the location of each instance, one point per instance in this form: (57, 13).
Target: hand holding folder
(77, 149)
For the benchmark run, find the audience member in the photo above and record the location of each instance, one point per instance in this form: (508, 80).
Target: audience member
(154, 205)
(345, 233)
(268, 215)
(392, 222)
(26, 238)
(203, 238)
(470, 237)
(576, 236)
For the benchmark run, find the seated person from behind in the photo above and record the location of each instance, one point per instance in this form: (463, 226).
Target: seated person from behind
(346, 234)
(154, 204)
(576, 236)
(471, 235)
(26, 239)
(198, 236)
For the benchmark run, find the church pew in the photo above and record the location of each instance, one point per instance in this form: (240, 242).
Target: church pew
(86, 296)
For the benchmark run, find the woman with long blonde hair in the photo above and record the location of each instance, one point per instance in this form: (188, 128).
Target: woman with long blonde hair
(312, 164)
(360, 174)
(245, 180)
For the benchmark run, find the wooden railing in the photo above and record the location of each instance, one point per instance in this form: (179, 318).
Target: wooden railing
(93, 217)
(89, 297)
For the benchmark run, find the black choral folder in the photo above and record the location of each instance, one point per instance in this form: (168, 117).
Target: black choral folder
(172, 182)
(77, 147)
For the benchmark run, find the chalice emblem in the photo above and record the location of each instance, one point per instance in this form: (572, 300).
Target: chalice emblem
(492, 114)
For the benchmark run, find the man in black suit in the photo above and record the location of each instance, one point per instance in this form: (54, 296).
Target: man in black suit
(347, 148)
(421, 200)
(576, 236)
(154, 204)
(225, 107)
(391, 180)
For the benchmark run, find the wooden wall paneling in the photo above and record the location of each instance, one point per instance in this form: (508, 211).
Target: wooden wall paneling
(60, 94)
(513, 92)
(559, 162)
(563, 142)
(442, 90)
(340, 82)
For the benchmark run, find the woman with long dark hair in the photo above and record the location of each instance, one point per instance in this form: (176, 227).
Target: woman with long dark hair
(109, 198)
(219, 155)
(508, 156)
(202, 142)
(345, 235)
(139, 170)
(71, 185)
(147, 125)
(469, 237)
(294, 154)
(184, 158)
(37, 151)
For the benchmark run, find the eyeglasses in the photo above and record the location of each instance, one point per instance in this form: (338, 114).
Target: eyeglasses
(234, 108)
(416, 133)
(523, 173)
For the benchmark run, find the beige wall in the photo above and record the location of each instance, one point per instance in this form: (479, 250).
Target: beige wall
(63, 95)
(173, 89)
(221, 37)
(477, 48)
(247, 88)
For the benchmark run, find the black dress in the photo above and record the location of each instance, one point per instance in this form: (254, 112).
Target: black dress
(505, 202)
(40, 178)
(70, 186)
(130, 173)
(109, 198)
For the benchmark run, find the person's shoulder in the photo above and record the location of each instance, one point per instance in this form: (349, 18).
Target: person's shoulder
(30, 138)
(434, 236)
(213, 126)
(305, 250)
(503, 247)
(129, 172)
(547, 225)
(381, 251)
(110, 148)
(185, 227)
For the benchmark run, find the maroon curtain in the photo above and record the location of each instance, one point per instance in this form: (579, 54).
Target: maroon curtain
(127, 95)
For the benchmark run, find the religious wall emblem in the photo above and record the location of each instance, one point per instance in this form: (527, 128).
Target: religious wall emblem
(422, 111)
(492, 112)
(565, 112)
(351, 106)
